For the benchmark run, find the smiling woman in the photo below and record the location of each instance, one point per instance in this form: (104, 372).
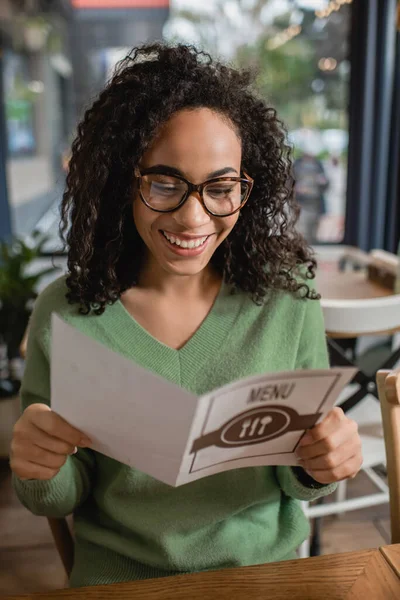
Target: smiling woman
(184, 258)
(170, 108)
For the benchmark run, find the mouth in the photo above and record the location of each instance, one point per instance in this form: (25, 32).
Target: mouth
(185, 246)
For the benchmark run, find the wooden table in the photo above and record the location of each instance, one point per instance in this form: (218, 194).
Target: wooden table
(348, 285)
(335, 285)
(366, 575)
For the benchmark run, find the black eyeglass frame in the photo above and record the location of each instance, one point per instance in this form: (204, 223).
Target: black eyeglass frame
(192, 187)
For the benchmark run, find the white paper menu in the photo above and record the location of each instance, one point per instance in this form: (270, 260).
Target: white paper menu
(142, 420)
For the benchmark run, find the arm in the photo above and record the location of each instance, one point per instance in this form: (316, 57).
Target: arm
(312, 354)
(61, 495)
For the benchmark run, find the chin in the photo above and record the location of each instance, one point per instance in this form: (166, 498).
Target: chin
(185, 270)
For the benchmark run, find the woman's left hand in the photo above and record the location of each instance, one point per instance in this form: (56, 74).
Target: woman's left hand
(331, 451)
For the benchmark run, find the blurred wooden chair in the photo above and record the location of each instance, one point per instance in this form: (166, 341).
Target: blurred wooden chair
(64, 542)
(59, 527)
(389, 395)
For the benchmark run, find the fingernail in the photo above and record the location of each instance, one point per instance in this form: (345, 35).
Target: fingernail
(305, 440)
(75, 451)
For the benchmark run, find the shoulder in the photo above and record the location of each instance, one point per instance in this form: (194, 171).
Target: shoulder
(51, 299)
(291, 309)
(287, 327)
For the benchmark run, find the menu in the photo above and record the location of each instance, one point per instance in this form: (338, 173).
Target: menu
(142, 420)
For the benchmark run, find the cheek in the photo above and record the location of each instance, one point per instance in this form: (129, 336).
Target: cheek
(228, 224)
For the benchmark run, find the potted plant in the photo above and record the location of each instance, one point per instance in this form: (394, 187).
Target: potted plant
(19, 287)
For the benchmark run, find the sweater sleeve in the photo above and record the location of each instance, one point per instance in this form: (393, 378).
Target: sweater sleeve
(61, 495)
(312, 354)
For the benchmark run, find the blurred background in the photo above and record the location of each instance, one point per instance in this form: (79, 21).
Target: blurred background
(323, 67)
(57, 54)
(331, 68)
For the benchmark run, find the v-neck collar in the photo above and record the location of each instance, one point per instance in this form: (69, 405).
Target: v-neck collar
(135, 342)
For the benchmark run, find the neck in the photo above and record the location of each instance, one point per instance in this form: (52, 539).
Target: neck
(152, 277)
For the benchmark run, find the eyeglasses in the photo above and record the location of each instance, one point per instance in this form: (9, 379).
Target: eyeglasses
(220, 197)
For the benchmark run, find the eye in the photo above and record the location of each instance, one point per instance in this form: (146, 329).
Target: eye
(162, 185)
(220, 190)
(158, 186)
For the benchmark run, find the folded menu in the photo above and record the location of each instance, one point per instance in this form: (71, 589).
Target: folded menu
(138, 418)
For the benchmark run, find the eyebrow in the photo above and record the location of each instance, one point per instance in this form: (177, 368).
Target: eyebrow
(168, 170)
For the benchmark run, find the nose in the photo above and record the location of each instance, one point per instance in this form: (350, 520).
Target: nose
(192, 214)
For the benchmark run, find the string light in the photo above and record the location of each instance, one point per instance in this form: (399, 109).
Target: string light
(333, 6)
(284, 36)
(327, 64)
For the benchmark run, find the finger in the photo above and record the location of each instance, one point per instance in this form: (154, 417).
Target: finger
(50, 443)
(333, 459)
(347, 430)
(54, 425)
(37, 455)
(326, 427)
(347, 470)
(37, 437)
(26, 470)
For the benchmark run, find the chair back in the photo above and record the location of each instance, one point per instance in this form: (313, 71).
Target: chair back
(361, 317)
(388, 383)
(63, 541)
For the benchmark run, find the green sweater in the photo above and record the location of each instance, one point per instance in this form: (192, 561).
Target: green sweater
(131, 526)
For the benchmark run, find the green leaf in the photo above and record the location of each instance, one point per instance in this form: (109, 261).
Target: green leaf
(17, 285)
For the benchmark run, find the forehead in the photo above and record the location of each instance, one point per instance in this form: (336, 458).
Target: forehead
(194, 141)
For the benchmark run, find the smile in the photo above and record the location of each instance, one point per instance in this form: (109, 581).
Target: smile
(190, 244)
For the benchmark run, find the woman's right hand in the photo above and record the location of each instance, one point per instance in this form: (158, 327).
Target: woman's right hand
(41, 443)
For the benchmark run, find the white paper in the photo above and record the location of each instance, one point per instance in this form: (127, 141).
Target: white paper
(140, 419)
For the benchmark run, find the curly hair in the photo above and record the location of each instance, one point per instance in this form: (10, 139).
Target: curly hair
(152, 83)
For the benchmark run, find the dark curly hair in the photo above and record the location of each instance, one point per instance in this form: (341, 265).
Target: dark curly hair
(151, 84)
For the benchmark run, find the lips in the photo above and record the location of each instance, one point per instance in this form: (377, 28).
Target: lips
(187, 247)
(184, 241)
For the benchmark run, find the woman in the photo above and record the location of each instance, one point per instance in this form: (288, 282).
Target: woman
(184, 258)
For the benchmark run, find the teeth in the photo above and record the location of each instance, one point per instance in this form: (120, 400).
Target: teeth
(184, 243)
